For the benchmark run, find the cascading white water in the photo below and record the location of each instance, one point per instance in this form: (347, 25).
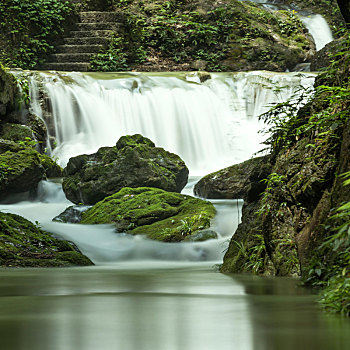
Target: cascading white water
(319, 30)
(210, 125)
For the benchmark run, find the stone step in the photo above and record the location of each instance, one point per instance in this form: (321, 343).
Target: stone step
(98, 17)
(99, 26)
(87, 41)
(78, 48)
(90, 33)
(70, 57)
(67, 66)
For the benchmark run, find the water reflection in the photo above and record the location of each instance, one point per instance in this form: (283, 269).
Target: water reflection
(153, 306)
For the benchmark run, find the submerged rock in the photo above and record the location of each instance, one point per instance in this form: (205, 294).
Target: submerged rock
(201, 236)
(234, 182)
(24, 244)
(133, 162)
(72, 214)
(155, 213)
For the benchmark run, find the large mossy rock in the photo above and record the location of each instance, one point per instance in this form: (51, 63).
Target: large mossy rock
(22, 170)
(234, 182)
(24, 244)
(155, 213)
(133, 162)
(15, 132)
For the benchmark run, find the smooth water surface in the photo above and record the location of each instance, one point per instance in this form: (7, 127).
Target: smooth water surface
(152, 306)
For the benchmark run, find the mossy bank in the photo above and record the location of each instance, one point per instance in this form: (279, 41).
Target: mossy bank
(25, 244)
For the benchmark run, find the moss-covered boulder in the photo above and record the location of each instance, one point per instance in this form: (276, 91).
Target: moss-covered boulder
(16, 132)
(155, 213)
(133, 162)
(234, 182)
(8, 92)
(7, 145)
(24, 244)
(21, 171)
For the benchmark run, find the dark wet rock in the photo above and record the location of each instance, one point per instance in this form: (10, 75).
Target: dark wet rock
(201, 236)
(237, 181)
(72, 214)
(24, 244)
(133, 162)
(323, 58)
(155, 213)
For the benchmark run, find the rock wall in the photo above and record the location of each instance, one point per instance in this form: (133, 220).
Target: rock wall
(282, 233)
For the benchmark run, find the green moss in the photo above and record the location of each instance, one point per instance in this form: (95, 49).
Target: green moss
(25, 244)
(133, 141)
(160, 215)
(29, 28)
(16, 132)
(52, 169)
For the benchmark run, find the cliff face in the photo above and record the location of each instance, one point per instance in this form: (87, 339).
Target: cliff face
(296, 227)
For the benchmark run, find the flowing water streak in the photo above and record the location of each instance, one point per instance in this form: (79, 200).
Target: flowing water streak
(210, 125)
(319, 29)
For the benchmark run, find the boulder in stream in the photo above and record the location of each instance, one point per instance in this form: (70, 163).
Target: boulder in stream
(133, 162)
(237, 181)
(24, 244)
(155, 213)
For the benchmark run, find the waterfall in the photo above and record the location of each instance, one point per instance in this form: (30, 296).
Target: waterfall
(318, 29)
(210, 124)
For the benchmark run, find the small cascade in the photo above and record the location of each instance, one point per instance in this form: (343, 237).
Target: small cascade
(210, 124)
(319, 29)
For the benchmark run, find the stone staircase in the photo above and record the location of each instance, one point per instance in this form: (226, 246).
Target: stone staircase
(92, 32)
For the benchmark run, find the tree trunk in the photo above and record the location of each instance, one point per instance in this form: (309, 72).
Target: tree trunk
(344, 6)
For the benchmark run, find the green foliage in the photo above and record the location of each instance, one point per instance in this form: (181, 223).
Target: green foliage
(284, 124)
(29, 28)
(273, 181)
(111, 58)
(255, 255)
(330, 266)
(181, 33)
(194, 223)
